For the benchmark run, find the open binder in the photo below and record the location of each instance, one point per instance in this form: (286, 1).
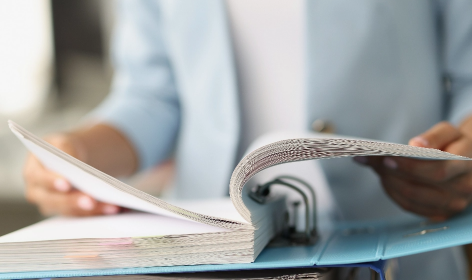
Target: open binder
(337, 244)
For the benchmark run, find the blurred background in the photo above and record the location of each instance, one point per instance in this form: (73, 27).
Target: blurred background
(54, 68)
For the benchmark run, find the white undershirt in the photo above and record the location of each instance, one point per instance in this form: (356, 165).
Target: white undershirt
(269, 46)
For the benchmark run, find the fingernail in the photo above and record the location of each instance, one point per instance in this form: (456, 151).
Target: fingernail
(62, 185)
(419, 142)
(361, 160)
(86, 203)
(390, 163)
(110, 209)
(459, 205)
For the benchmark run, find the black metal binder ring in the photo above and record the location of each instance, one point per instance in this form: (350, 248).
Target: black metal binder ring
(261, 193)
(313, 197)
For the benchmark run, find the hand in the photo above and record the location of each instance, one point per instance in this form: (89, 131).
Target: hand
(436, 189)
(55, 195)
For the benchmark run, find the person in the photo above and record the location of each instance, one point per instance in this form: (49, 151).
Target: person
(198, 80)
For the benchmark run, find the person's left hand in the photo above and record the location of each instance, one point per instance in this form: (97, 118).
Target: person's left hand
(436, 189)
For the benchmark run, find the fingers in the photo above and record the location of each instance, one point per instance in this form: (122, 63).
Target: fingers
(454, 176)
(412, 207)
(423, 200)
(55, 195)
(433, 188)
(36, 174)
(438, 200)
(462, 147)
(435, 172)
(438, 137)
(442, 136)
(74, 203)
(462, 186)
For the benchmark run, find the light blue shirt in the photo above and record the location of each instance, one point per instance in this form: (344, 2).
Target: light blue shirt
(376, 69)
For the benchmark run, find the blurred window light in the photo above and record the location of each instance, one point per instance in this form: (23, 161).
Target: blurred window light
(26, 56)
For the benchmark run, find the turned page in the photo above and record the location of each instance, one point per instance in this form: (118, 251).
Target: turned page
(308, 147)
(110, 190)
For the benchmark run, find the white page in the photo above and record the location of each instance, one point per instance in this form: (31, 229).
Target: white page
(103, 190)
(91, 185)
(217, 207)
(134, 224)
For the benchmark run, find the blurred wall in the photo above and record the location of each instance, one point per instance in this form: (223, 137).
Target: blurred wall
(55, 68)
(26, 55)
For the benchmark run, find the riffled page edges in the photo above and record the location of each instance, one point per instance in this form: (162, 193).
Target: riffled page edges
(300, 149)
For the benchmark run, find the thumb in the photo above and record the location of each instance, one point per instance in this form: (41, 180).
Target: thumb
(437, 137)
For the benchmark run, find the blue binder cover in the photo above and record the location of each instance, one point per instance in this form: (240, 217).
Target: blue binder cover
(346, 244)
(271, 258)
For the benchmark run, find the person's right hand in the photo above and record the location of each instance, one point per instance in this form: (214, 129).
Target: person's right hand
(53, 194)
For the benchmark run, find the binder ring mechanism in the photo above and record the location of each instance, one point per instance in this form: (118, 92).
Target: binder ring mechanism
(289, 235)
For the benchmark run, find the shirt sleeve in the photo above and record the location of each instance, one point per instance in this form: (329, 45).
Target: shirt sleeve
(143, 103)
(456, 31)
